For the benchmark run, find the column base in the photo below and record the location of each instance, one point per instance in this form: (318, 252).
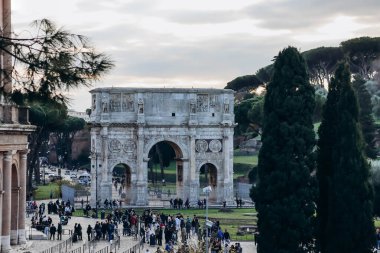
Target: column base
(21, 236)
(5, 243)
(14, 237)
(194, 193)
(142, 194)
(228, 193)
(105, 192)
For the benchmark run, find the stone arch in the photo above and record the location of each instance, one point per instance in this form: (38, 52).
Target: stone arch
(178, 147)
(179, 158)
(130, 164)
(15, 189)
(210, 172)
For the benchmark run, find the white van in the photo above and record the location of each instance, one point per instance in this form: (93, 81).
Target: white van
(85, 177)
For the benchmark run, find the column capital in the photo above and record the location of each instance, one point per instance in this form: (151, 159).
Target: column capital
(16, 189)
(7, 155)
(24, 152)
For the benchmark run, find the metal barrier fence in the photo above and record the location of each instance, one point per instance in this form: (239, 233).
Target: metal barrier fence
(114, 247)
(104, 250)
(61, 247)
(134, 249)
(78, 250)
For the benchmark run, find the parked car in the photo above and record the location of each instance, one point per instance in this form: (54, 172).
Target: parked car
(84, 182)
(85, 177)
(73, 175)
(56, 178)
(67, 172)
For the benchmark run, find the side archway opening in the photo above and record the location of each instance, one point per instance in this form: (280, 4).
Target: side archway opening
(122, 183)
(208, 176)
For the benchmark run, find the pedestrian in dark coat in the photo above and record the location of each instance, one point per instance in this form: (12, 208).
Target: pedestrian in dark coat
(59, 231)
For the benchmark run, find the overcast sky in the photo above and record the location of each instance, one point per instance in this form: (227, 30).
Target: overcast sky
(198, 43)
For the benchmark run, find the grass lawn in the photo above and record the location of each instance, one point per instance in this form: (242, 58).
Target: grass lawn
(43, 191)
(252, 160)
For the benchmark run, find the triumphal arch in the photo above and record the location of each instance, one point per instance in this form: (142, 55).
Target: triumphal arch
(126, 123)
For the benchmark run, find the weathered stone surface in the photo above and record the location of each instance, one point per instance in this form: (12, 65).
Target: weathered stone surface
(127, 122)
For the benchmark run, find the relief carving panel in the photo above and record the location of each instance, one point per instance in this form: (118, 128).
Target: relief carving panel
(115, 103)
(128, 102)
(202, 103)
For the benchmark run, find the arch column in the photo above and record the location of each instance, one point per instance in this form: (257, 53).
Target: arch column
(227, 164)
(194, 180)
(1, 195)
(105, 180)
(22, 197)
(141, 185)
(14, 213)
(6, 216)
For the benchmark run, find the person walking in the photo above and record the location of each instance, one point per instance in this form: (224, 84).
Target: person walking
(79, 232)
(52, 231)
(59, 231)
(89, 232)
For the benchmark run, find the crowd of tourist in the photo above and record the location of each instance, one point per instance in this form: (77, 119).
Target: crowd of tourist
(155, 229)
(44, 223)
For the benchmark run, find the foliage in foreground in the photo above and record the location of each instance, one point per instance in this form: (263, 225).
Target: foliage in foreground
(344, 214)
(47, 65)
(285, 191)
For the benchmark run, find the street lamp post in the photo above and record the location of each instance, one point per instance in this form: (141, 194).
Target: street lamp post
(207, 190)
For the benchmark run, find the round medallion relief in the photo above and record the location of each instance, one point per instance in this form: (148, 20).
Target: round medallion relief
(201, 146)
(215, 146)
(115, 145)
(129, 146)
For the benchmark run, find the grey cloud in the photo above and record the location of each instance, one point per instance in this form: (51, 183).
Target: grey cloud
(202, 17)
(96, 6)
(303, 15)
(133, 7)
(219, 59)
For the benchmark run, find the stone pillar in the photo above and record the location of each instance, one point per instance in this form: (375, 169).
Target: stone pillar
(7, 58)
(6, 217)
(1, 193)
(194, 182)
(22, 198)
(227, 190)
(141, 185)
(104, 175)
(14, 213)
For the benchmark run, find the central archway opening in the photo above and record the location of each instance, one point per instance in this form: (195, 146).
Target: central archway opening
(122, 183)
(165, 170)
(208, 176)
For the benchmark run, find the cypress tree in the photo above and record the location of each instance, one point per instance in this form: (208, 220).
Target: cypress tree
(285, 194)
(347, 222)
(327, 133)
(365, 116)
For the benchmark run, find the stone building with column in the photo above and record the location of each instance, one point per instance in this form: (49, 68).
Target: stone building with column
(14, 131)
(198, 124)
